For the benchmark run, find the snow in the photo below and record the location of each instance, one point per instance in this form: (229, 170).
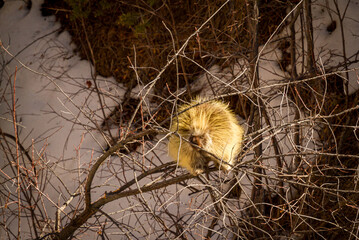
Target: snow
(332, 43)
(49, 78)
(50, 85)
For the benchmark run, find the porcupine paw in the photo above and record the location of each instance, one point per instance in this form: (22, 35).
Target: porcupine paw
(198, 165)
(197, 171)
(223, 166)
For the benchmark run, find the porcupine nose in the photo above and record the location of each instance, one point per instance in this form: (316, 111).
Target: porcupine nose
(196, 140)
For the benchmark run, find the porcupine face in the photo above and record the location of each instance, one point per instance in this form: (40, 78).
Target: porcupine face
(198, 129)
(211, 127)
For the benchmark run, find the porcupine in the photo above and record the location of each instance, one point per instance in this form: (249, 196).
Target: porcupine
(212, 133)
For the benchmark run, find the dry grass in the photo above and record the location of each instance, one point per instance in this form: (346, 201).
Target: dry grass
(115, 36)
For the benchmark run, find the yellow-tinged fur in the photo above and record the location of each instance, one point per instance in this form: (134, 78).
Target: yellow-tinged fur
(213, 127)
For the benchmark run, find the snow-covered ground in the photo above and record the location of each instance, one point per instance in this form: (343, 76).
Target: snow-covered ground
(58, 113)
(52, 97)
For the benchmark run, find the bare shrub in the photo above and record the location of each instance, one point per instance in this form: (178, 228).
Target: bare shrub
(296, 177)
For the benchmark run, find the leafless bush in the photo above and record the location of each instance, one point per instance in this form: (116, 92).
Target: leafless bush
(296, 177)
